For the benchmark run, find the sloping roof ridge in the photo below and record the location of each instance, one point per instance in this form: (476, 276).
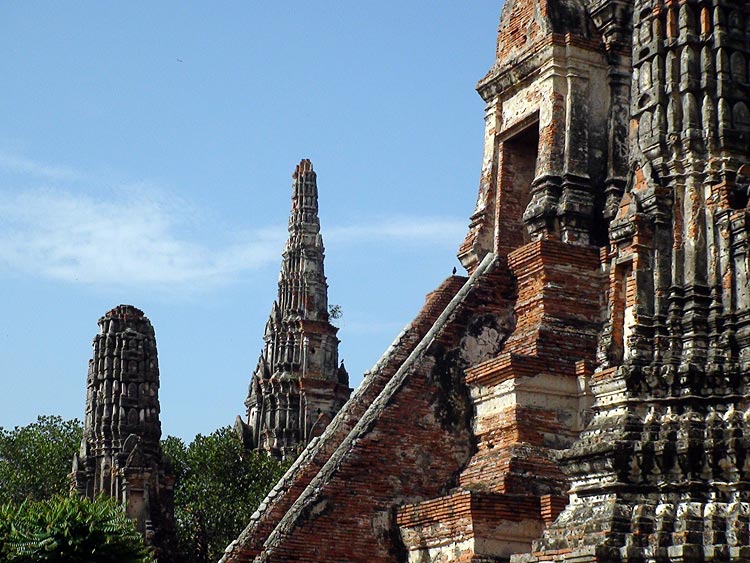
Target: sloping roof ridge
(310, 493)
(337, 429)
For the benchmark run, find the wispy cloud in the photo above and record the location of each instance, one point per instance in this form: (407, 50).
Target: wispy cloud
(140, 236)
(18, 164)
(135, 239)
(370, 327)
(402, 230)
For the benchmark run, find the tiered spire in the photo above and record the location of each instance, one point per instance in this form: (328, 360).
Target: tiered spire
(120, 453)
(298, 385)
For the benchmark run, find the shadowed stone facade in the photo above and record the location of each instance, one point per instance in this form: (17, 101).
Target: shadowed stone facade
(662, 473)
(298, 385)
(584, 394)
(120, 453)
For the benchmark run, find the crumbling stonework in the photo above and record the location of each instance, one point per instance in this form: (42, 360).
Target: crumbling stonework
(583, 395)
(121, 453)
(661, 473)
(298, 385)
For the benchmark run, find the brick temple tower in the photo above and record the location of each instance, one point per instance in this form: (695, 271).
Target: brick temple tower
(120, 453)
(298, 385)
(583, 396)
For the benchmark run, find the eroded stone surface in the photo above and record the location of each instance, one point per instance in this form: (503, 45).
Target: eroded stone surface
(601, 346)
(298, 385)
(121, 454)
(661, 472)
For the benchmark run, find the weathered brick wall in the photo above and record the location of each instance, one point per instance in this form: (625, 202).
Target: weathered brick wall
(314, 457)
(449, 451)
(526, 23)
(528, 399)
(457, 527)
(408, 445)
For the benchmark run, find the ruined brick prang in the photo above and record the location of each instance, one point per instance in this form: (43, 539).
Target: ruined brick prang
(600, 347)
(120, 454)
(298, 385)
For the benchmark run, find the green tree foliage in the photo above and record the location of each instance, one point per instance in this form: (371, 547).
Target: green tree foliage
(335, 312)
(70, 530)
(35, 460)
(219, 485)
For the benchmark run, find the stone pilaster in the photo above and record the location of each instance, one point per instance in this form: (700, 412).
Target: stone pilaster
(661, 472)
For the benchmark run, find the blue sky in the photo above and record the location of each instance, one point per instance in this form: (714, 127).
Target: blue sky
(146, 152)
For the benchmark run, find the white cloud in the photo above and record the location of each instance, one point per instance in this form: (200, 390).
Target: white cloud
(133, 240)
(138, 236)
(21, 165)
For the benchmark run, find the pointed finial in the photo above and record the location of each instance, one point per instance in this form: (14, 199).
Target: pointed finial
(343, 375)
(305, 165)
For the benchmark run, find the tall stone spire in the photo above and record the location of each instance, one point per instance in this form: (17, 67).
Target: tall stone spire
(298, 385)
(120, 453)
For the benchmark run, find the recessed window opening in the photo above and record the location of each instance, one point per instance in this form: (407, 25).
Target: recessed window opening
(519, 170)
(624, 311)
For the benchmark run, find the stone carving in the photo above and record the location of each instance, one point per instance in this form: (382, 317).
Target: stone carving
(601, 345)
(298, 384)
(120, 453)
(583, 395)
(660, 473)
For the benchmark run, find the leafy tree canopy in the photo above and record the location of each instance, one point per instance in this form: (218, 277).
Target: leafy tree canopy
(335, 311)
(218, 487)
(35, 460)
(70, 530)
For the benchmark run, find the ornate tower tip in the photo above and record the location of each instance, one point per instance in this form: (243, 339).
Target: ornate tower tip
(124, 311)
(305, 165)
